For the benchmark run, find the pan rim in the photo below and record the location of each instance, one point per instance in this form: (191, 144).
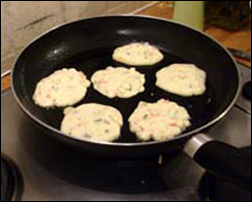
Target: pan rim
(59, 134)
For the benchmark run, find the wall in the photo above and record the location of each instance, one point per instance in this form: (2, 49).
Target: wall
(22, 21)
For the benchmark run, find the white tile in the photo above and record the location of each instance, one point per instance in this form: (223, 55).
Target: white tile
(6, 45)
(7, 63)
(22, 37)
(24, 13)
(73, 9)
(31, 18)
(80, 9)
(114, 4)
(133, 5)
(122, 9)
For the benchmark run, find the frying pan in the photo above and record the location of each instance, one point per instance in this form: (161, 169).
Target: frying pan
(88, 44)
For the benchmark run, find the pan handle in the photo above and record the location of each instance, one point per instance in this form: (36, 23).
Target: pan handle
(220, 159)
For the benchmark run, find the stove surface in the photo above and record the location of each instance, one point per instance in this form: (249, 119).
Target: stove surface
(54, 172)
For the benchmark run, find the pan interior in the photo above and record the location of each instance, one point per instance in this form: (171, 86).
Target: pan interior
(200, 107)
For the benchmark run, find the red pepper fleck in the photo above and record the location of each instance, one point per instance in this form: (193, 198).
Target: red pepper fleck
(173, 124)
(81, 75)
(102, 81)
(151, 53)
(141, 128)
(182, 77)
(152, 114)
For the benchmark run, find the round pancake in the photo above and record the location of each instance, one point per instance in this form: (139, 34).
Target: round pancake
(138, 54)
(118, 82)
(62, 88)
(159, 121)
(182, 79)
(92, 121)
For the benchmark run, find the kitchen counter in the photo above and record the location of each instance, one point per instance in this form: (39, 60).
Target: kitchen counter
(238, 40)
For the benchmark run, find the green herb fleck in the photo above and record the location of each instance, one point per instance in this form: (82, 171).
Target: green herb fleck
(86, 135)
(98, 120)
(129, 88)
(145, 116)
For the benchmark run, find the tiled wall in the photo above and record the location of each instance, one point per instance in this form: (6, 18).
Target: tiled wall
(21, 21)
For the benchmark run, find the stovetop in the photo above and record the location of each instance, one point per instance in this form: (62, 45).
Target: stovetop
(54, 172)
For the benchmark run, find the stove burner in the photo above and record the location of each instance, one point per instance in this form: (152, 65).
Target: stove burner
(11, 181)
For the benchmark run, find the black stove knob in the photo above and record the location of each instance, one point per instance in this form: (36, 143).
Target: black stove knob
(247, 90)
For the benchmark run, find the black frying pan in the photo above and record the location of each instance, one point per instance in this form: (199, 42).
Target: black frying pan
(87, 45)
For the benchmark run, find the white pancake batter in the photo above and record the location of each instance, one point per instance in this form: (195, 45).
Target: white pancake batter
(182, 79)
(159, 121)
(92, 121)
(62, 88)
(118, 82)
(138, 54)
